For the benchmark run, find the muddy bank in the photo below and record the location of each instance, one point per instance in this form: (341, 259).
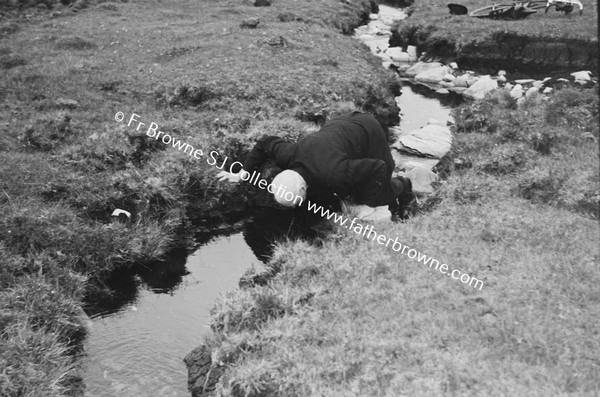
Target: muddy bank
(502, 50)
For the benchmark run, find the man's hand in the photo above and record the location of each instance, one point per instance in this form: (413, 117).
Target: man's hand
(229, 177)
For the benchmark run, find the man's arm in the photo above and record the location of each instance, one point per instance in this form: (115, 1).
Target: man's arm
(267, 147)
(272, 147)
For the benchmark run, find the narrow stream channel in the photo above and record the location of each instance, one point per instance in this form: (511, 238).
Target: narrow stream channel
(138, 349)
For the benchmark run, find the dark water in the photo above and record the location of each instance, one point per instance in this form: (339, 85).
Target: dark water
(139, 338)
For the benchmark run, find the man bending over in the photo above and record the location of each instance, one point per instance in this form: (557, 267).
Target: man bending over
(349, 156)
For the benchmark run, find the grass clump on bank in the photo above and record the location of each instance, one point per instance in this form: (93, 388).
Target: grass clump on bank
(353, 318)
(541, 43)
(66, 164)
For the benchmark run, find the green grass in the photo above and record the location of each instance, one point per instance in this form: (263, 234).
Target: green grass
(64, 167)
(352, 318)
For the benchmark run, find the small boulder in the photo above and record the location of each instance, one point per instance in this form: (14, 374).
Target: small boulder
(501, 79)
(449, 77)
(453, 65)
(429, 141)
(583, 75)
(524, 81)
(537, 83)
(422, 180)
(547, 90)
(396, 54)
(421, 67)
(442, 91)
(432, 75)
(502, 73)
(478, 90)
(412, 52)
(508, 86)
(460, 81)
(517, 91)
(531, 91)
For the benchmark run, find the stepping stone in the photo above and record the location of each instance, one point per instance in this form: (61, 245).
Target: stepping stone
(429, 141)
(422, 180)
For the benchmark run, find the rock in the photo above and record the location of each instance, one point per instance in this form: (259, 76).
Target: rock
(421, 179)
(396, 54)
(517, 91)
(449, 77)
(442, 91)
(373, 17)
(537, 83)
(508, 86)
(524, 81)
(429, 141)
(562, 80)
(203, 374)
(478, 90)
(471, 80)
(446, 84)
(412, 52)
(66, 103)
(531, 91)
(547, 90)
(250, 23)
(460, 81)
(501, 79)
(583, 75)
(421, 67)
(458, 90)
(386, 64)
(432, 75)
(262, 3)
(453, 65)
(502, 73)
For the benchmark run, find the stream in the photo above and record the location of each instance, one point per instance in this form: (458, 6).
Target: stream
(137, 347)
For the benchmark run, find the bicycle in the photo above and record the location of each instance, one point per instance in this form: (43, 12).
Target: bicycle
(520, 10)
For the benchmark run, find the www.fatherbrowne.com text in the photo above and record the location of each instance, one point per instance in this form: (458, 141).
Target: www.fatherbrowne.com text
(212, 159)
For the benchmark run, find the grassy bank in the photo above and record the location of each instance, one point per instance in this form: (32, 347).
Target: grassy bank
(538, 44)
(353, 318)
(66, 164)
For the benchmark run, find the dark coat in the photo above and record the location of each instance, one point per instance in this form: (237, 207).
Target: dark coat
(349, 156)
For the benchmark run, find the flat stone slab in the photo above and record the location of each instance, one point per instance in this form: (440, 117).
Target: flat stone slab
(481, 87)
(420, 67)
(422, 180)
(429, 141)
(405, 162)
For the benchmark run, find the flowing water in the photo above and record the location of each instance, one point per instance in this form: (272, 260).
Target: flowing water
(137, 348)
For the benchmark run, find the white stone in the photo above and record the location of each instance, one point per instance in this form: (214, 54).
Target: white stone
(412, 51)
(373, 17)
(478, 90)
(433, 75)
(502, 73)
(429, 141)
(449, 77)
(517, 91)
(501, 79)
(531, 91)
(442, 91)
(583, 75)
(547, 90)
(446, 84)
(508, 86)
(386, 64)
(396, 54)
(537, 83)
(421, 179)
(524, 81)
(421, 67)
(562, 80)
(461, 81)
(453, 65)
